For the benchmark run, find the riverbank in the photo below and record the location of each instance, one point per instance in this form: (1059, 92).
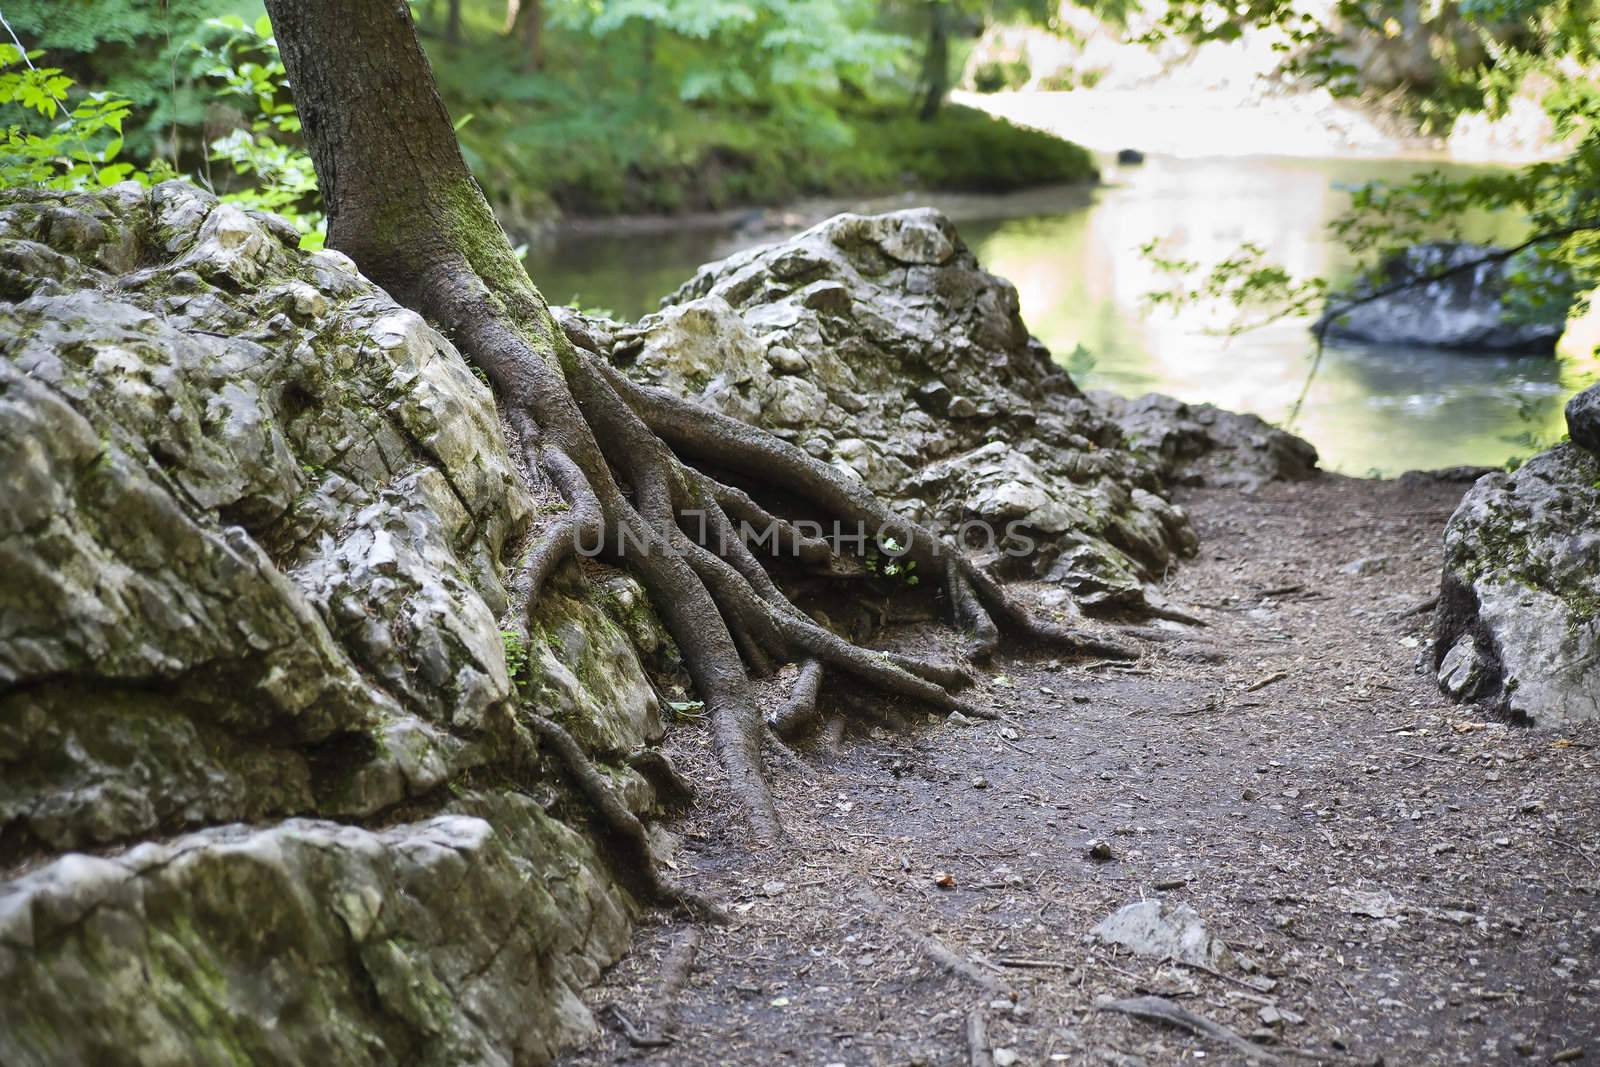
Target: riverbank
(702, 168)
(1223, 123)
(1392, 876)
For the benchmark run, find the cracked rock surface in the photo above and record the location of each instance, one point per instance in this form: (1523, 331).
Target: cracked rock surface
(257, 529)
(1518, 626)
(880, 345)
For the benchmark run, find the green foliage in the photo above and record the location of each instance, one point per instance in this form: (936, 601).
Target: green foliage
(516, 650)
(1520, 43)
(635, 105)
(778, 53)
(53, 142)
(886, 559)
(270, 169)
(60, 137)
(139, 49)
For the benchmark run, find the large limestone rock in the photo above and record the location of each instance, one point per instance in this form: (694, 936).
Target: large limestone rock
(878, 344)
(1469, 309)
(1201, 444)
(256, 528)
(1518, 627)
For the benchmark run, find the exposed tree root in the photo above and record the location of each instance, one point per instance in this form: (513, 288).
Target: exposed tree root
(1160, 1009)
(979, 1052)
(620, 454)
(621, 822)
(832, 735)
(672, 788)
(661, 1019)
(582, 526)
(799, 713)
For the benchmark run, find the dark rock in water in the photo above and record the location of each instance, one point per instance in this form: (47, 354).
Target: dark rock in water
(1468, 309)
(1198, 444)
(1518, 625)
(1583, 419)
(1129, 157)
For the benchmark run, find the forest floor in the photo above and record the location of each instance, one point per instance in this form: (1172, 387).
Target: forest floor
(1397, 879)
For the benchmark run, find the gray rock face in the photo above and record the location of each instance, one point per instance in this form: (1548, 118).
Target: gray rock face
(1468, 310)
(255, 528)
(1518, 627)
(1200, 444)
(1583, 419)
(458, 939)
(879, 345)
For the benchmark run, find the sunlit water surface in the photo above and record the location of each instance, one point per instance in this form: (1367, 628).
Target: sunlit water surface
(1076, 262)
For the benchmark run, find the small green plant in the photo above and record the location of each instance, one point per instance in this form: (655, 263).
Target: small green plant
(516, 654)
(687, 709)
(893, 566)
(1080, 361)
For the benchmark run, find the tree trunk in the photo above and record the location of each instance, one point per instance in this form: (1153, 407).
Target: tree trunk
(935, 61)
(403, 205)
(525, 23)
(452, 26)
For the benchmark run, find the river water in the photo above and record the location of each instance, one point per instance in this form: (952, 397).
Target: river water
(1074, 256)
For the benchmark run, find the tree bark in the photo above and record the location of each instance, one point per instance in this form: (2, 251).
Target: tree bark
(525, 24)
(452, 26)
(935, 61)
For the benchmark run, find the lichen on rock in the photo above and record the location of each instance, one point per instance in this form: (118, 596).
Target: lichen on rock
(1518, 626)
(259, 523)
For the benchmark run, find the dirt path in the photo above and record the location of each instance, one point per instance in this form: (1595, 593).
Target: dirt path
(1394, 877)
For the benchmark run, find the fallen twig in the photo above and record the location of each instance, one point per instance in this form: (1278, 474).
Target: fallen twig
(933, 948)
(1262, 683)
(1160, 1009)
(978, 1052)
(636, 1037)
(1420, 755)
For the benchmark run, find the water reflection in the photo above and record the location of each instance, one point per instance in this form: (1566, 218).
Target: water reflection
(1081, 279)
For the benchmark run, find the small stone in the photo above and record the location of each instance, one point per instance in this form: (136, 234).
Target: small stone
(1100, 850)
(1152, 928)
(961, 407)
(980, 782)
(1004, 1057)
(934, 396)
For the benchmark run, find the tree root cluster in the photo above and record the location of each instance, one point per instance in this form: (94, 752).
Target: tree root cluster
(637, 467)
(637, 499)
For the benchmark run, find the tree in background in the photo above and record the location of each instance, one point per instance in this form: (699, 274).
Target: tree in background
(525, 24)
(583, 106)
